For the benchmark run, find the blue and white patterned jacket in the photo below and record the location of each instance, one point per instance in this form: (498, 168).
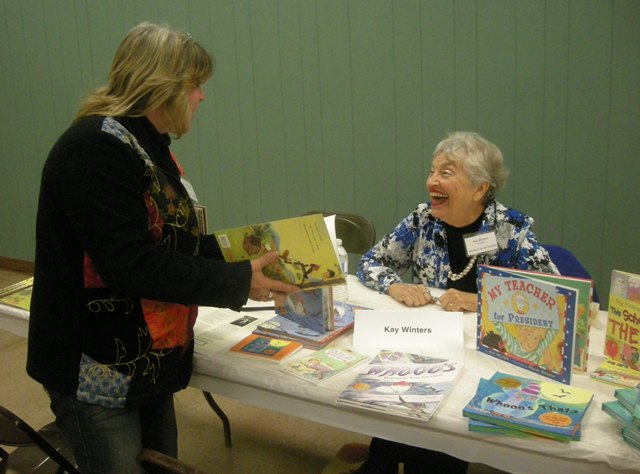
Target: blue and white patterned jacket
(419, 243)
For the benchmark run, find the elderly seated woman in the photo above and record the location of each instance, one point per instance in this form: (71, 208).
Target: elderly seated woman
(436, 242)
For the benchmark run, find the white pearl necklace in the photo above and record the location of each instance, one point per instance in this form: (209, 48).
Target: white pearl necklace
(467, 269)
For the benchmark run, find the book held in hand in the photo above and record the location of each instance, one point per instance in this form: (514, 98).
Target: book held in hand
(307, 256)
(527, 321)
(323, 364)
(538, 407)
(266, 348)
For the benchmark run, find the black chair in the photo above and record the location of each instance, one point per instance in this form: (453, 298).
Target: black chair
(155, 462)
(39, 451)
(4, 461)
(569, 265)
(357, 232)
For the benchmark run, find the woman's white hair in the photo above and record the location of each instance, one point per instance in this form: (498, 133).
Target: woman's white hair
(481, 159)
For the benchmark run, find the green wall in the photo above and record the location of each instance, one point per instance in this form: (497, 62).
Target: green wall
(337, 105)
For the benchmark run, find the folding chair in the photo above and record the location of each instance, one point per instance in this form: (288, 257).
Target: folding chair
(44, 450)
(357, 232)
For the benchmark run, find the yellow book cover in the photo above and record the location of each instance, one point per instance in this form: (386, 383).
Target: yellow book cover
(17, 295)
(622, 339)
(307, 255)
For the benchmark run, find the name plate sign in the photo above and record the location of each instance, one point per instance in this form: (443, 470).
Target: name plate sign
(409, 329)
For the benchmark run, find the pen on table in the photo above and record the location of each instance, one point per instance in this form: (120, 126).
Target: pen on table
(257, 308)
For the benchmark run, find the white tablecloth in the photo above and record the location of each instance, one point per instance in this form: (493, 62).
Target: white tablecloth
(600, 450)
(258, 382)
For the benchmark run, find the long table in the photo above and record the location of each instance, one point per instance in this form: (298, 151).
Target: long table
(260, 383)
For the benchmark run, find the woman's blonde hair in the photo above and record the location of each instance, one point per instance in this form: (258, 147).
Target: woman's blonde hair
(153, 68)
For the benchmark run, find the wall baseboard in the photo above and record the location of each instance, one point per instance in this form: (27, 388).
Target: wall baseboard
(18, 265)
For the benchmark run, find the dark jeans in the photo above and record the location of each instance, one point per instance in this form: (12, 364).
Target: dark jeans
(108, 440)
(416, 460)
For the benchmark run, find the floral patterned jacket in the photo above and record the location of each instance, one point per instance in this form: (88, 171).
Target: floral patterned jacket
(419, 243)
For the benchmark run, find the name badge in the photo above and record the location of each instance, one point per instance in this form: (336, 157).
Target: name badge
(480, 242)
(187, 185)
(409, 329)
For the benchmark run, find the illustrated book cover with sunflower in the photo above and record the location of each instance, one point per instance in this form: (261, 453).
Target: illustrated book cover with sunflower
(307, 253)
(266, 348)
(538, 407)
(407, 385)
(527, 321)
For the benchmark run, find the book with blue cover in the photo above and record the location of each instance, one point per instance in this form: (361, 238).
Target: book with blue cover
(546, 409)
(630, 399)
(284, 328)
(312, 308)
(527, 322)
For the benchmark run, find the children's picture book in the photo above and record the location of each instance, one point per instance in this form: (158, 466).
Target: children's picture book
(281, 327)
(407, 389)
(616, 373)
(311, 308)
(583, 321)
(526, 321)
(630, 400)
(482, 427)
(323, 364)
(307, 256)
(17, 295)
(264, 347)
(622, 337)
(547, 409)
(618, 412)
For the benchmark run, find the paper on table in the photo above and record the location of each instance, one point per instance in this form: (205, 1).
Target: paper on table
(217, 328)
(430, 330)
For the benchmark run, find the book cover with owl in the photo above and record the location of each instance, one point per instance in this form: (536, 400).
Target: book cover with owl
(530, 405)
(307, 255)
(526, 321)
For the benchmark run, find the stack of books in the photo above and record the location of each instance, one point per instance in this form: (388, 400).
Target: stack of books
(403, 384)
(626, 411)
(518, 406)
(302, 328)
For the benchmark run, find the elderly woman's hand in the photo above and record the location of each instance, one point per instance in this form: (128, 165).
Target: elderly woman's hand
(456, 300)
(409, 294)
